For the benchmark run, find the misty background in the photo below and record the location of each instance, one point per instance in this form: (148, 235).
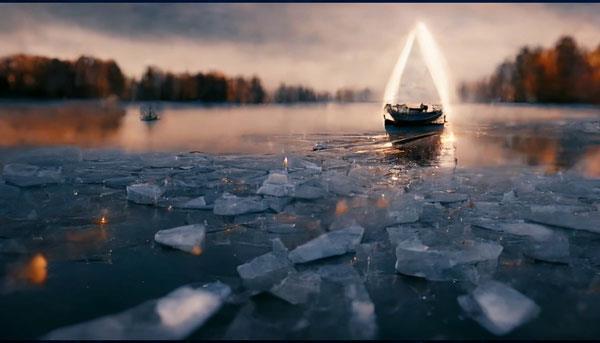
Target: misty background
(324, 46)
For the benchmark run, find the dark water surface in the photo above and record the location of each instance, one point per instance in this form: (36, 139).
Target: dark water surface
(62, 264)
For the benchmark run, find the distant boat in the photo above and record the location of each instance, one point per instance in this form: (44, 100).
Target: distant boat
(403, 115)
(148, 114)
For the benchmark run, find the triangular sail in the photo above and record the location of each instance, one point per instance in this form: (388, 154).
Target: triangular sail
(434, 60)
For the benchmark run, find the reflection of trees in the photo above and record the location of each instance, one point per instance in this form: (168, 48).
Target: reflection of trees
(81, 123)
(566, 73)
(538, 150)
(421, 145)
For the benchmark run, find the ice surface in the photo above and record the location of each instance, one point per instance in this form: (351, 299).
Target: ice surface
(340, 183)
(308, 192)
(333, 243)
(8, 192)
(498, 308)
(277, 185)
(277, 204)
(231, 205)
(119, 181)
(189, 238)
(198, 203)
(509, 197)
(25, 175)
(398, 234)
(558, 217)
(445, 197)
(48, 156)
(297, 288)
(296, 163)
(543, 243)
(174, 316)
(447, 262)
(144, 193)
(262, 272)
(362, 322)
(404, 209)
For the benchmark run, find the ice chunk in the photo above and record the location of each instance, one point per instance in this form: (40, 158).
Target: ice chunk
(119, 181)
(308, 192)
(586, 222)
(544, 244)
(231, 205)
(341, 184)
(276, 185)
(333, 243)
(446, 262)
(296, 163)
(174, 316)
(189, 238)
(264, 271)
(277, 204)
(404, 209)
(144, 193)
(445, 197)
(509, 197)
(398, 234)
(25, 175)
(296, 288)
(198, 203)
(498, 307)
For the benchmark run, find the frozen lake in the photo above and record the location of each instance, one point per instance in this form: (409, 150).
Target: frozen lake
(487, 227)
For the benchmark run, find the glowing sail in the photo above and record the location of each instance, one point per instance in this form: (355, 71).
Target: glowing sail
(434, 60)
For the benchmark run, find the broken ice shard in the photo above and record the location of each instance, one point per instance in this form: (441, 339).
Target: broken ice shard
(558, 217)
(333, 243)
(189, 238)
(144, 193)
(543, 243)
(25, 175)
(296, 288)
(231, 205)
(276, 185)
(174, 316)
(262, 272)
(498, 307)
(443, 263)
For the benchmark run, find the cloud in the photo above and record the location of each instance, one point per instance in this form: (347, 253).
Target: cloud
(323, 45)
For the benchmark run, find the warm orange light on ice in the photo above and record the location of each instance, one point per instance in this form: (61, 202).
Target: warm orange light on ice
(341, 207)
(36, 270)
(196, 250)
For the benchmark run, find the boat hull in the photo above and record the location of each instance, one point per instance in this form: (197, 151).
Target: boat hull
(413, 119)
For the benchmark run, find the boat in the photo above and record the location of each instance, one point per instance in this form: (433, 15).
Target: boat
(148, 114)
(403, 115)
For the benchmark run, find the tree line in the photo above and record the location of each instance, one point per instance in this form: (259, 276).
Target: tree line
(26, 76)
(564, 73)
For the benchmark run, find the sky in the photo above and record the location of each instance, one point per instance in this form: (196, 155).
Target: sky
(325, 46)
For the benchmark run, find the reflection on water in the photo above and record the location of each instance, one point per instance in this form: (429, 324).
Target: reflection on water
(36, 270)
(81, 123)
(421, 145)
(25, 273)
(476, 135)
